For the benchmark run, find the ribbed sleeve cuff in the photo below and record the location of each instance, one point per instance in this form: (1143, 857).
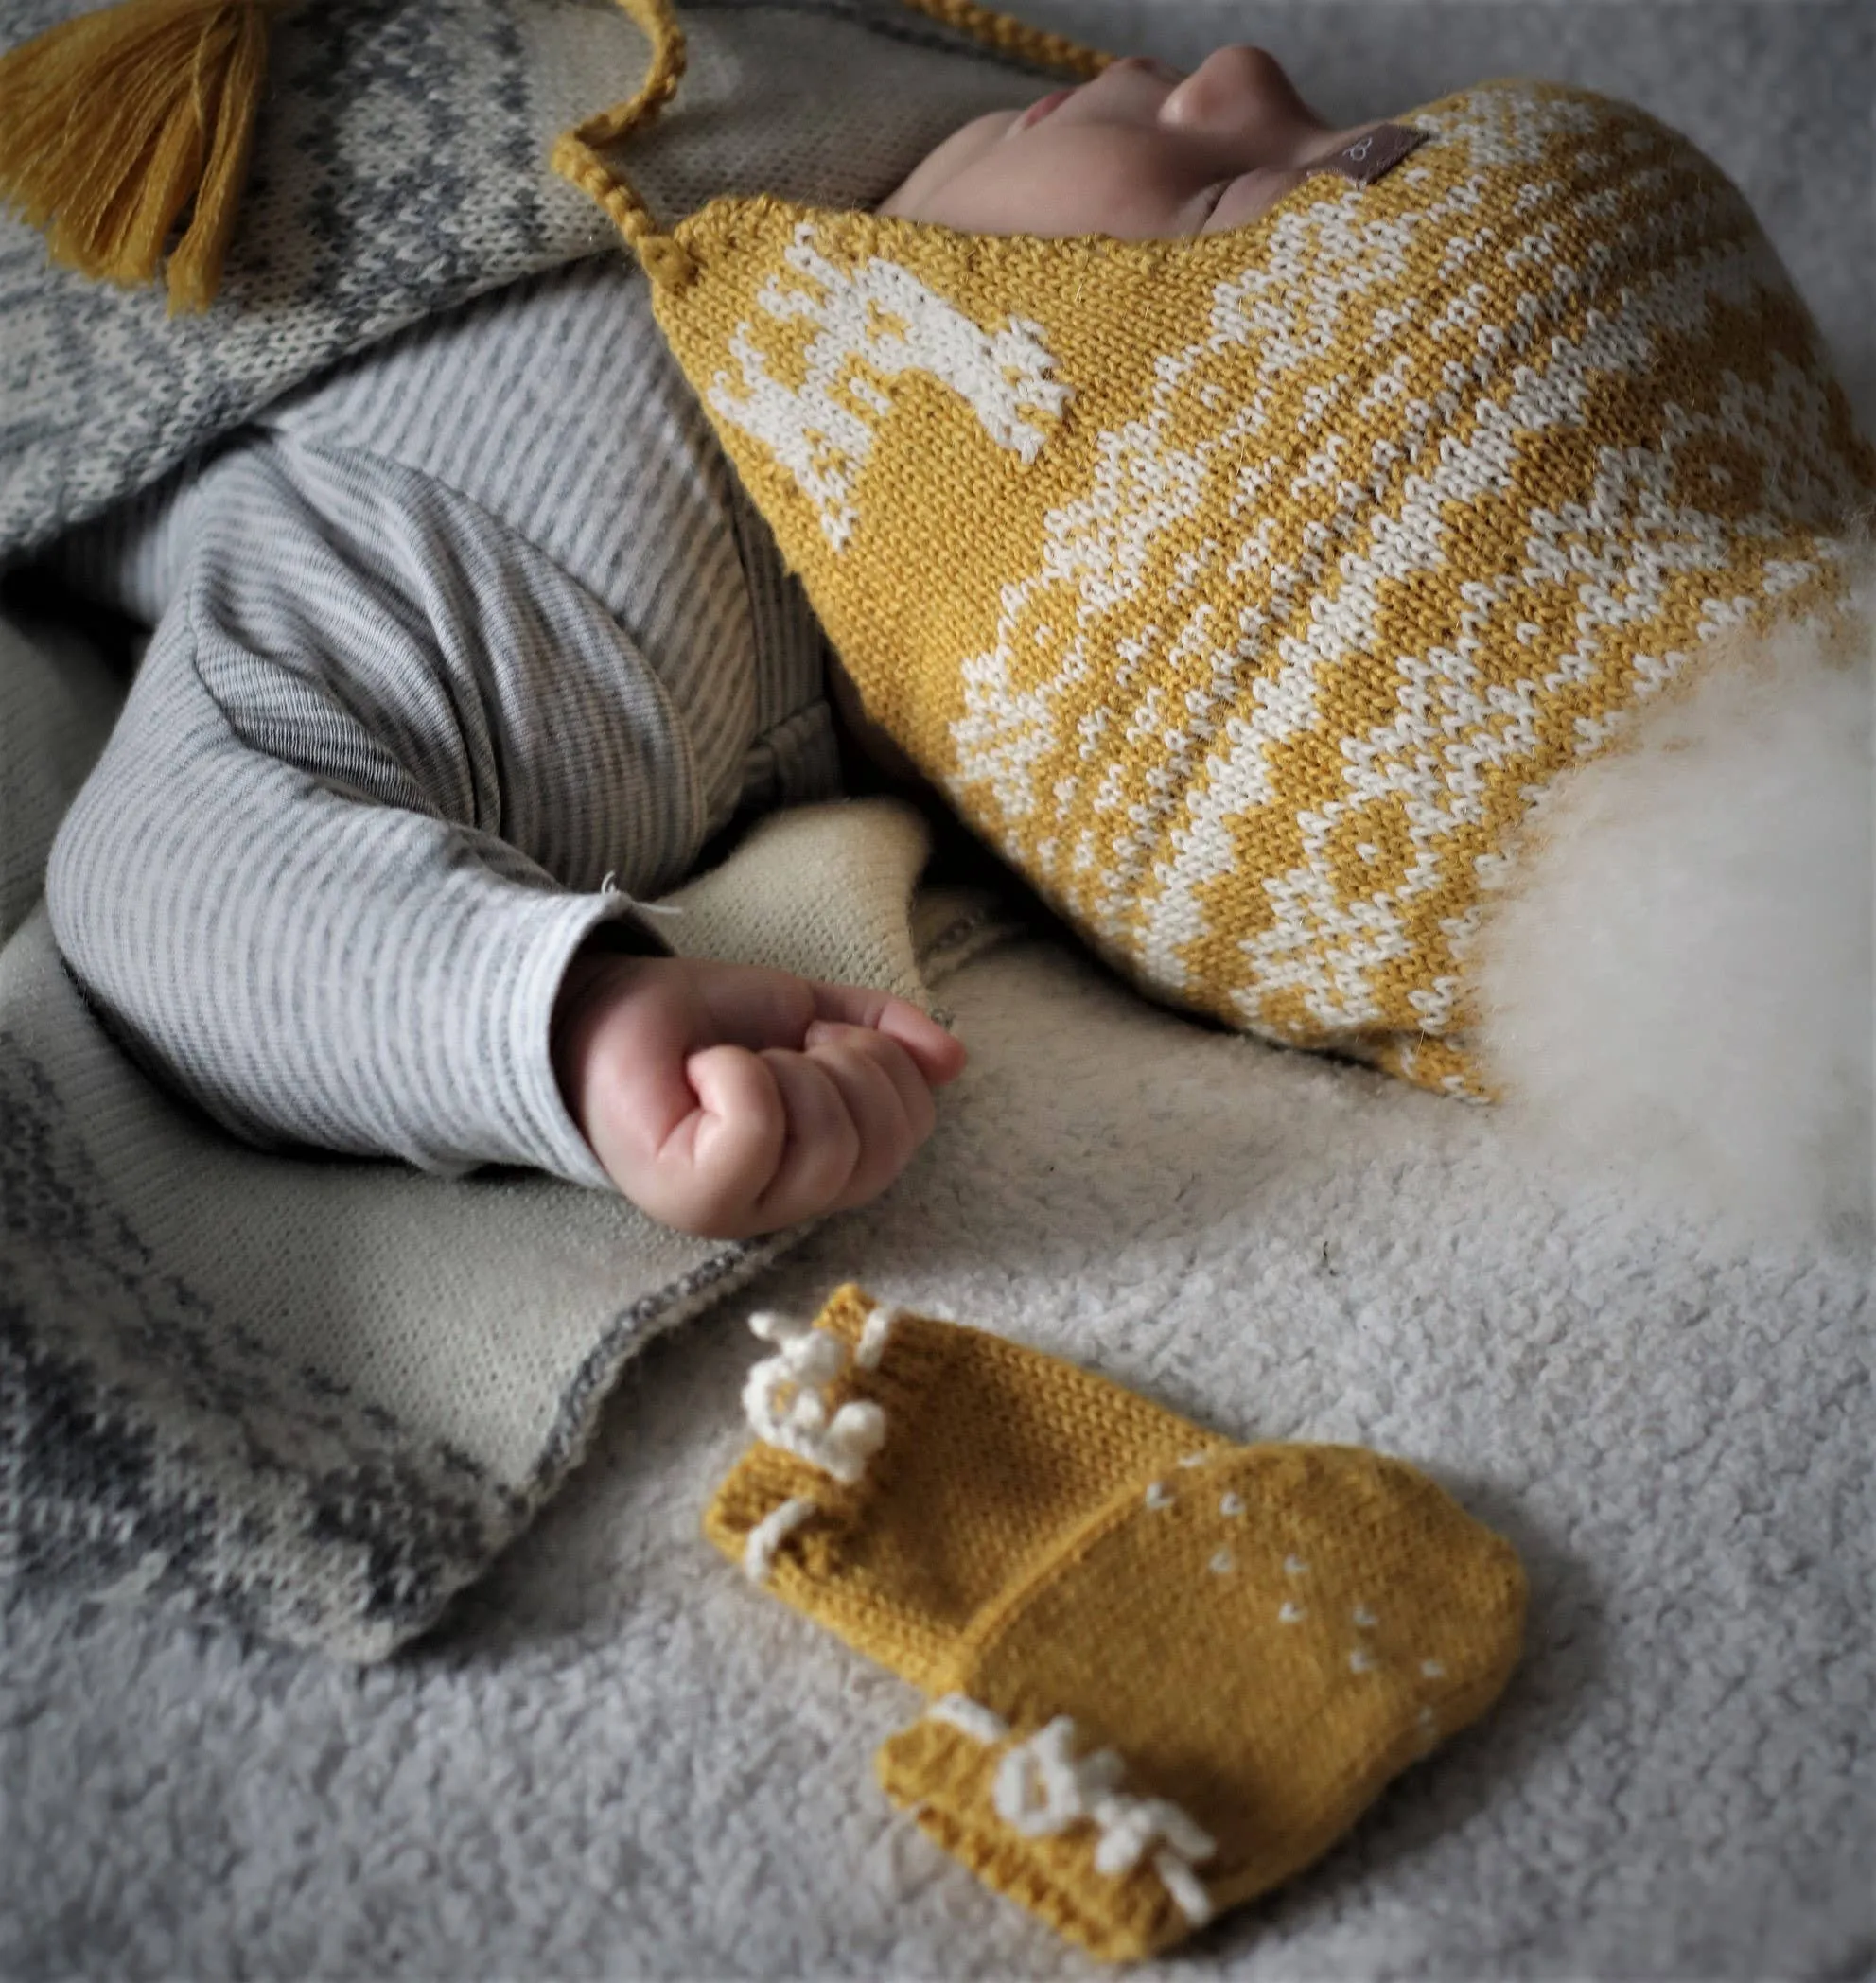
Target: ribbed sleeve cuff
(527, 1112)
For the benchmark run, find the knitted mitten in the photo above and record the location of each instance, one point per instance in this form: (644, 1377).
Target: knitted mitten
(908, 1470)
(1166, 1671)
(1205, 1684)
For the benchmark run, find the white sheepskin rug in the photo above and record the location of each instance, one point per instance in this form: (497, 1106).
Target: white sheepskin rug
(1677, 985)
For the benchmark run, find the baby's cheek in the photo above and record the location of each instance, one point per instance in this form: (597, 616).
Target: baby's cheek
(944, 162)
(1060, 179)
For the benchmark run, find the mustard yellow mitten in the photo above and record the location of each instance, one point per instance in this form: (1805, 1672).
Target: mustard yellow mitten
(1205, 1685)
(1165, 1670)
(906, 1471)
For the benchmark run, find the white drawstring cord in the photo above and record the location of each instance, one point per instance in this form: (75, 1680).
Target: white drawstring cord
(1042, 1786)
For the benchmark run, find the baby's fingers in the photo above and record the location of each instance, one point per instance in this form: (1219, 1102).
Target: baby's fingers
(886, 1096)
(822, 1145)
(935, 1053)
(711, 1173)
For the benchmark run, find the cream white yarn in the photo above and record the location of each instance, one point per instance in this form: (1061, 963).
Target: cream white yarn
(769, 1533)
(785, 1405)
(1042, 1786)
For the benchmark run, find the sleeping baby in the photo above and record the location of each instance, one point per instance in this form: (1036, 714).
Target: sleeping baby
(1239, 520)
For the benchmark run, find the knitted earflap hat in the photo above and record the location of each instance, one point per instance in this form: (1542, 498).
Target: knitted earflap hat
(1245, 590)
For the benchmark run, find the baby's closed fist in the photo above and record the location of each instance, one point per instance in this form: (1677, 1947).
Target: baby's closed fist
(729, 1100)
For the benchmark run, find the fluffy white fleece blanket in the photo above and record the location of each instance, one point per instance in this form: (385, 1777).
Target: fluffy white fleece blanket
(1679, 983)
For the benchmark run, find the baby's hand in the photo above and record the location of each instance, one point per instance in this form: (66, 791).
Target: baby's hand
(729, 1100)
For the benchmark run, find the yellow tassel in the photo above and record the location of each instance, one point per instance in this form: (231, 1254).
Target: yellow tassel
(112, 123)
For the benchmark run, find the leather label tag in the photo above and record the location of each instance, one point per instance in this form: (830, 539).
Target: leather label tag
(1374, 154)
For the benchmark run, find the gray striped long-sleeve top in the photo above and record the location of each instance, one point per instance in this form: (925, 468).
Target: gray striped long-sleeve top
(455, 652)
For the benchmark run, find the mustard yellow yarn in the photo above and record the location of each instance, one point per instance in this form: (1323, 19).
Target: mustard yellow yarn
(1009, 36)
(578, 154)
(1265, 1639)
(1261, 1638)
(115, 124)
(1245, 590)
(1000, 1448)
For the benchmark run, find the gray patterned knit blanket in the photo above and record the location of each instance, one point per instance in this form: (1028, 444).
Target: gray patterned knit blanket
(400, 168)
(315, 1397)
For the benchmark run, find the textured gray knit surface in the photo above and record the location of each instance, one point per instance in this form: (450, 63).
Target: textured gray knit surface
(618, 1762)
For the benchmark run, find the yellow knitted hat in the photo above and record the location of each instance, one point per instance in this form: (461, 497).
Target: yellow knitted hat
(1245, 590)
